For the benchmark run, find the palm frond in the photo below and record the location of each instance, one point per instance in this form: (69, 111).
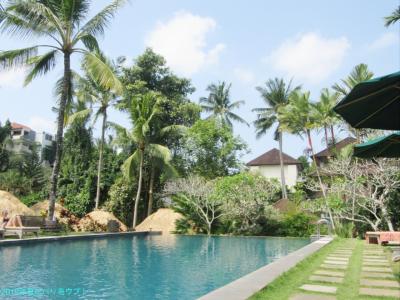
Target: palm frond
(159, 151)
(100, 21)
(90, 42)
(102, 73)
(393, 18)
(41, 65)
(129, 166)
(79, 116)
(17, 58)
(236, 118)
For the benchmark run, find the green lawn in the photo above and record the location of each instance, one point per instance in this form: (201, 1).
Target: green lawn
(287, 284)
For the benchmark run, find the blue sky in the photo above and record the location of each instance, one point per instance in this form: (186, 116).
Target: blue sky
(243, 42)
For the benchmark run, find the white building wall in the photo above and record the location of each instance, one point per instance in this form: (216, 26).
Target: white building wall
(274, 171)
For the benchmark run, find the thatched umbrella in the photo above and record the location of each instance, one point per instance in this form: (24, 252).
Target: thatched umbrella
(13, 205)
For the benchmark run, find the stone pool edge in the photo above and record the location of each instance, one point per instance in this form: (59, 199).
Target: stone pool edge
(248, 285)
(16, 242)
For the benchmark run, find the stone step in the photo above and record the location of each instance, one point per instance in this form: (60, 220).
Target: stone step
(311, 297)
(336, 262)
(376, 263)
(375, 257)
(344, 259)
(379, 292)
(326, 279)
(330, 266)
(329, 273)
(375, 260)
(380, 283)
(377, 269)
(319, 288)
(376, 275)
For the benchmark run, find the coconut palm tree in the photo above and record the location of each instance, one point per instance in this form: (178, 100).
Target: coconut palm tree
(393, 18)
(325, 116)
(219, 104)
(59, 23)
(142, 112)
(100, 99)
(359, 74)
(275, 95)
(298, 117)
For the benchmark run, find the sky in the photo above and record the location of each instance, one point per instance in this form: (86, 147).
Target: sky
(316, 43)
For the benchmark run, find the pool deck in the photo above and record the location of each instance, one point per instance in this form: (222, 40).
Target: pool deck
(33, 240)
(246, 286)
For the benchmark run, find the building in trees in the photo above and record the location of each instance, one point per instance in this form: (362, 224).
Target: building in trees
(323, 156)
(268, 165)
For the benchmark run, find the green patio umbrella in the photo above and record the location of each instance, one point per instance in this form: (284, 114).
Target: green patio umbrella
(385, 146)
(373, 104)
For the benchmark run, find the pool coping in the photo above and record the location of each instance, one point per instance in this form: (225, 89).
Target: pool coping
(16, 242)
(248, 285)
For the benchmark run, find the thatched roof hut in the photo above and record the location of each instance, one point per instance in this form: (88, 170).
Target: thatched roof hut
(13, 205)
(43, 207)
(162, 220)
(97, 221)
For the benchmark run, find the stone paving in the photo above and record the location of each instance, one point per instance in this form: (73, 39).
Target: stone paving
(376, 276)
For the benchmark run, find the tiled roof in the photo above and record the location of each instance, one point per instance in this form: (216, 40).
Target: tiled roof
(330, 151)
(15, 125)
(272, 158)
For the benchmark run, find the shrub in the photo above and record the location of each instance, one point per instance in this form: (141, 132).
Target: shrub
(298, 224)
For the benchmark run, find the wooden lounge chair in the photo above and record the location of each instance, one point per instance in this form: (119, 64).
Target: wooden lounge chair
(20, 231)
(1, 233)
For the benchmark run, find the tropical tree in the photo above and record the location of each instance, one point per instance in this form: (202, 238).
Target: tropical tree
(275, 95)
(59, 22)
(298, 117)
(219, 104)
(393, 18)
(359, 74)
(101, 99)
(142, 112)
(325, 116)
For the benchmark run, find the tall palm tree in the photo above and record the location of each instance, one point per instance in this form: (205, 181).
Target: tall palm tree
(100, 99)
(219, 104)
(325, 116)
(142, 112)
(59, 22)
(298, 117)
(359, 74)
(275, 95)
(393, 18)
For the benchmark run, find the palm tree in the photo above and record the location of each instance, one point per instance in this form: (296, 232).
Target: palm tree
(325, 115)
(219, 104)
(393, 18)
(359, 74)
(101, 99)
(298, 117)
(60, 23)
(142, 111)
(275, 95)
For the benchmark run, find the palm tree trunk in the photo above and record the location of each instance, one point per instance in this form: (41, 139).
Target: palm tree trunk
(333, 135)
(151, 184)
(283, 180)
(139, 190)
(319, 178)
(59, 136)
(326, 136)
(100, 164)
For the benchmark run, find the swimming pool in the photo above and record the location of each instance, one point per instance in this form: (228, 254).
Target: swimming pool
(135, 267)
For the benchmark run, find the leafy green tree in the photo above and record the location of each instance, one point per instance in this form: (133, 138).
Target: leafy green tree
(211, 150)
(298, 117)
(275, 95)
(325, 116)
(142, 112)
(60, 22)
(393, 18)
(77, 174)
(219, 104)
(100, 99)
(5, 139)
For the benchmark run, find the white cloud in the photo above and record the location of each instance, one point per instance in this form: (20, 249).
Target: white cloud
(13, 78)
(40, 124)
(387, 39)
(182, 41)
(243, 75)
(309, 56)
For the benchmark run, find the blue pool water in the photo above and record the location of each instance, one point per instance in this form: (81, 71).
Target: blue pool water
(136, 267)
